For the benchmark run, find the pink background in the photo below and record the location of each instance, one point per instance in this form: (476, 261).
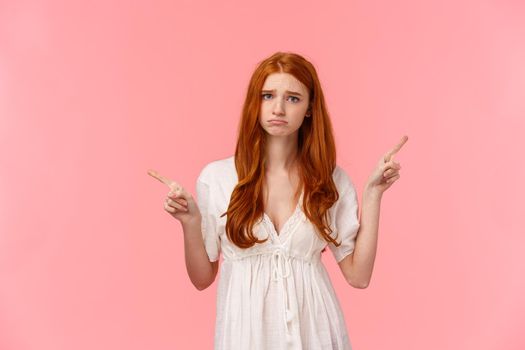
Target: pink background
(93, 94)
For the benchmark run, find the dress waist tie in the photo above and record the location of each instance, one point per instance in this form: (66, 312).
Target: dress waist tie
(281, 269)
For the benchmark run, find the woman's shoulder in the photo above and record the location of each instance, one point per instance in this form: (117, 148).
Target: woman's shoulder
(342, 180)
(218, 169)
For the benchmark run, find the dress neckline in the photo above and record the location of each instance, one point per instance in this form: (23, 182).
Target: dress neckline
(288, 221)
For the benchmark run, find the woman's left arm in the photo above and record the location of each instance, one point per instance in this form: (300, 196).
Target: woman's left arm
(359, 265)
(363, 257)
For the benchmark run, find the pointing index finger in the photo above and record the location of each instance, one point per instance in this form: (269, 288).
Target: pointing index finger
(396, 148)
(170, 183)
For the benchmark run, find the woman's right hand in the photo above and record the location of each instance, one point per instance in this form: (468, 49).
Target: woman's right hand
(179, 202)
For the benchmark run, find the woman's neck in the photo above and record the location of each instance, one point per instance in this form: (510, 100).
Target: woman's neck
(281, 154)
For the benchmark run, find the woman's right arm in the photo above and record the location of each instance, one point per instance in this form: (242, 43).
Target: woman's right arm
(181, 205)
(201, 271)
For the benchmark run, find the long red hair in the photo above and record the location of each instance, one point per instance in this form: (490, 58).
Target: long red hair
(316, 152)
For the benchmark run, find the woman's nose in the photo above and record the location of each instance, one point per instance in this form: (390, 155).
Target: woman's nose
(278, 107)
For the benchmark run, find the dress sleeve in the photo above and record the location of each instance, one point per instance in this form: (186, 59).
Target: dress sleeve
(209, 221)
(345, 220)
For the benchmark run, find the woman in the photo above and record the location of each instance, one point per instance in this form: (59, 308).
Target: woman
(271, 210)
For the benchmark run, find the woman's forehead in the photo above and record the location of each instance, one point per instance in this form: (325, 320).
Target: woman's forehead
(283, 81)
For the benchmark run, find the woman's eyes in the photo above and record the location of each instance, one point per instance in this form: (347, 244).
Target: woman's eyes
(296, 98)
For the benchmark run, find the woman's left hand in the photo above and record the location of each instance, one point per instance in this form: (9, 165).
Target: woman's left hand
(386, 172)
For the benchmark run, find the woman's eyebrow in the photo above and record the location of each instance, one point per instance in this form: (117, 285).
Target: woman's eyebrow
(287, 91)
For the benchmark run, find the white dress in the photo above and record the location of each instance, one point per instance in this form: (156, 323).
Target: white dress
(275, 295)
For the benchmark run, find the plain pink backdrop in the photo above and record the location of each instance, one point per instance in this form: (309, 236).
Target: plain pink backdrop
(93, 94)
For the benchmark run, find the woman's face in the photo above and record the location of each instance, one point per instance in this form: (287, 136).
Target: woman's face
(284, 99)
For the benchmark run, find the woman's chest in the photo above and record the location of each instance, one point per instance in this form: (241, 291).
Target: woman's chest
(299, 237)
(294, 233)
(281, 196)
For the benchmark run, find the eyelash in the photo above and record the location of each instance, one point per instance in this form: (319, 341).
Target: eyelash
(297, 98)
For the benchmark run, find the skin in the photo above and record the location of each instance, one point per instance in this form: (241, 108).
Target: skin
(282, 184)
(279, 104)
(181, 205)
(357, 267)
(283, 98)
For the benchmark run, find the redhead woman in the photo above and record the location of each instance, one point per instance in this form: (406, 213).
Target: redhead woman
(271, 209)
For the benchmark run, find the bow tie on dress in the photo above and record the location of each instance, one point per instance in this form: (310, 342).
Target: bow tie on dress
(281, 266)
